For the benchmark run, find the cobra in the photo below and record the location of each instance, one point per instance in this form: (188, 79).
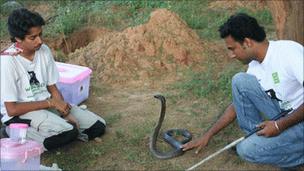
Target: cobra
(168, 136)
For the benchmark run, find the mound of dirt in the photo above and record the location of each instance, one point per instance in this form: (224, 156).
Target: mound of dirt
(150, 52)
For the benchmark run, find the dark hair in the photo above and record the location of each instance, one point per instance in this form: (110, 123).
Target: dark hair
(241, 26)
(20, 21)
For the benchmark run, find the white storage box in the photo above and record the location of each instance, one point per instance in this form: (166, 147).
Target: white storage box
(74, 82)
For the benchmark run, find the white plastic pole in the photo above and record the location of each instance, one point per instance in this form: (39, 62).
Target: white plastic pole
(216, 153)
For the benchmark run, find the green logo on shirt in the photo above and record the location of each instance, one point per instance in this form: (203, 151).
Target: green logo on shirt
(275, 77)
(36, 89)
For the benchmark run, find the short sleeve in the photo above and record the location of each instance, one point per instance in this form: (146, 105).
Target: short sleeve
(53, 74)
(296, 61)
(252, 68)
(9, 78)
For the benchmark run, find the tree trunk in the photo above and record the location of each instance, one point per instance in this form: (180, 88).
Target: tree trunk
(289, 18)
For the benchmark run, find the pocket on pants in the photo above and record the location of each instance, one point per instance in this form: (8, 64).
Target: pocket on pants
(47, 123)
(36, 117)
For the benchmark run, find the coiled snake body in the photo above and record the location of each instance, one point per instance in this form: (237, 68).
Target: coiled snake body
(175, 144)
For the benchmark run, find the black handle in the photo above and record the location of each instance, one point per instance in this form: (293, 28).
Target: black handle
(283, 113)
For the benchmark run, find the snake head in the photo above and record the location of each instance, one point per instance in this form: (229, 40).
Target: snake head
(160, 97)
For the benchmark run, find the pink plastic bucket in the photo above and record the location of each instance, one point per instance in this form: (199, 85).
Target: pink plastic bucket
(16, 156)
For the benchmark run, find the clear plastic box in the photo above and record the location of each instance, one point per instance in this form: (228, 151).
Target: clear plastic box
(16, 156)
(17, 132)
(74, 82)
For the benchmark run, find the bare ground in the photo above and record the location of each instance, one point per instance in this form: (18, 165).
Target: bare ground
(137, 113)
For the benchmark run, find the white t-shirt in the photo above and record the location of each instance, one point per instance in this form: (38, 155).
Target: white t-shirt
(282, 71)
(17, 72)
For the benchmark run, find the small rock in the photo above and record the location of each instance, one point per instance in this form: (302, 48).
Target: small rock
(97, 139)
(83, 107)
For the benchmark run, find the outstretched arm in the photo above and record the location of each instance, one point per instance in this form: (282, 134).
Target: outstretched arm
(228, 116)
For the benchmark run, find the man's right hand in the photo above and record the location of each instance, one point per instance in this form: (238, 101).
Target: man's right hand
(60, 105)
(199, 144)
(228, 116)
(70, 118)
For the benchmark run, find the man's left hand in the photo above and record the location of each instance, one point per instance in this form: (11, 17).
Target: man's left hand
(268, 129)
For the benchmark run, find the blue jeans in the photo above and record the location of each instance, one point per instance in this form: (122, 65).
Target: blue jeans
(252, 106)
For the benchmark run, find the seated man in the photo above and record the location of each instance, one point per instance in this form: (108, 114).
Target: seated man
(274, 81)
(28, 88)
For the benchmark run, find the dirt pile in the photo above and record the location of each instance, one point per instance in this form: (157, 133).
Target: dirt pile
(146, 53)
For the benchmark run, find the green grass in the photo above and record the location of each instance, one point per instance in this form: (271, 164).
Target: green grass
(132, 141)
(68, 19)
(138, 132)
(113, 118)
(3, 28)
(207, 83)
(118, 15)
(78, 156)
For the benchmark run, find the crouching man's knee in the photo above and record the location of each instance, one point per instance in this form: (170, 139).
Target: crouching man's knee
(247, 151)
(243, 79)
